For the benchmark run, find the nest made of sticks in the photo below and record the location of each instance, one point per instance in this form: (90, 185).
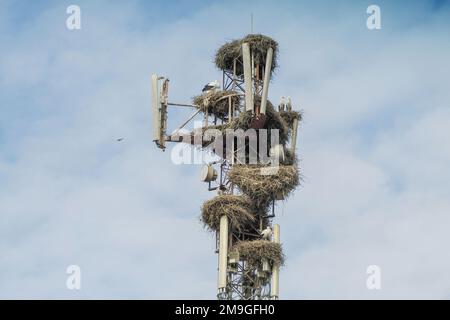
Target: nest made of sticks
(254, 181)
(255, 251)
(290, 158)
(290, 116)
(237, 208)
(243, 121)
(273, 121)
(259, 44)
(217, 102)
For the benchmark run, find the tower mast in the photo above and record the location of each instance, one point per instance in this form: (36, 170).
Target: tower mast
(241, 214)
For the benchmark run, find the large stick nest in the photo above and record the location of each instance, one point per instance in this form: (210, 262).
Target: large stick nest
(236, 208)
(289, 116)
(259, 44)
(217, 102)
(290, 158)
(273, 121)
(243, 121)
(255, 251)
(252, 181)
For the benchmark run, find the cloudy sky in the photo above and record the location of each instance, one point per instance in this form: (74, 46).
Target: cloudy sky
(374, 147)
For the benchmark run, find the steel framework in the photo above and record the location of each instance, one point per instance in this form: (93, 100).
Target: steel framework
(238, 280)
(243, 282)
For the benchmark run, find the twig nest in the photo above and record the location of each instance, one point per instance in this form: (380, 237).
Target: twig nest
(259, 45)
(217, 102)
(273, 121)
(254, 252)
(289, 157)
(237, 208)
(261, 182)
(242, 121)
(290, 116)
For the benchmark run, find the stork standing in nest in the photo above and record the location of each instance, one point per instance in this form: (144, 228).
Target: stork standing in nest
(266, 234)
(211, 86)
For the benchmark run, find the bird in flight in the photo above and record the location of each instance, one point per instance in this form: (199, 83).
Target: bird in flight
(120, 139)
(213, 85)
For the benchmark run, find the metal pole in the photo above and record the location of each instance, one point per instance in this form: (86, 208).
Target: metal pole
(267, 70)
(180, 105)
(186, 122)
(223, 254)
(275, 286)
(247, 77)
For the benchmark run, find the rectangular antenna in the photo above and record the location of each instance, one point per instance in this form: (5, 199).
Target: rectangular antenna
(223, 253)
(164, 100)
(247, 77)
(275, 283)
(159, 110)
(156, 109)
(294, 135)
(267, 70)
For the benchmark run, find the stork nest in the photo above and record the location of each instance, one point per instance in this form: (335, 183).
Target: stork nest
(236, 208)
(217, 102)
(255, 251)
(259, 45)
(243, 121)
(290, 116)
(273, 121)
(289, 157)
(252, 181)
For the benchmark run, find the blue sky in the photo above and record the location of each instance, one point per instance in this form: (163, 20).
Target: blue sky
(373, 146)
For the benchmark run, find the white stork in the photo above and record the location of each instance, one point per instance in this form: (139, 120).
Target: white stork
(289, 104)
(266, 234)
(213, 85)
(282, 104)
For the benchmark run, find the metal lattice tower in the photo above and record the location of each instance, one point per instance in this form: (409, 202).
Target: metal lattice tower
(237, 279)
(243, 282)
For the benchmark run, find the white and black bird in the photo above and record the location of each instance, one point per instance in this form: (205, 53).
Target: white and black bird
(289, 104)
(266, 234)
(211, 86)
(282, 104)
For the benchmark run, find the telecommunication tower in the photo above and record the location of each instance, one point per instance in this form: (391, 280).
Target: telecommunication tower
(242, 213)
